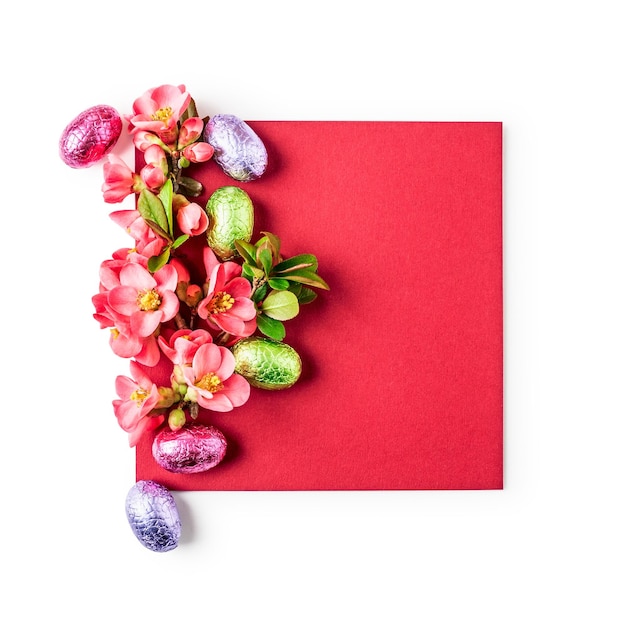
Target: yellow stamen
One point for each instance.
(148, 300)
(162, 115)
(220, 303)
(139, 396)
(210, 382)
(115, 333)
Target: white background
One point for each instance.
(548, 549)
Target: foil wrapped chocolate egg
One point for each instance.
(238, 149)
(189, 450)
(89, 136)
(231, 217)
(153, 516)
(266, 363)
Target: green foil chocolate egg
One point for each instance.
(231, 217)
(266, 363)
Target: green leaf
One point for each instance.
(306, 277)
(259, 293)
(246, 250)
(306, 295)
(166, 196)
(265, 258)
(246, 272)
(192, 187)
(280, 305)
(301, 261)
(157, 229)
(252, 271)
(152, 210)
(274, 243)
(180, 241)
(279, 284)
(155, 263)
(270, 328)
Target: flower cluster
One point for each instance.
(151, 301)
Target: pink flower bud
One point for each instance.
(190, 131)
(198, 152)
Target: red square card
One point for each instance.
(402, 359)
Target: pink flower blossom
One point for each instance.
(147, 242)
(138, 397)
(158, 111)
(154, 172)
(119, 180)
(152, 176)
(198, 152)
(181, 347)
(122, 341)
(146, 299)
(191, 218)
(227, 305)
(212, 382)
(142, 140)
(190, 131)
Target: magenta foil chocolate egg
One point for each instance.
(153, 516)
(89, 136)
(238, 149)
(190, 450)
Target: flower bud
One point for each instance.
(193, 296)
(176, 419)
(167, 397)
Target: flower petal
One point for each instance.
(144, 323)
(208, 358)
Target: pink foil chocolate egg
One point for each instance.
(89, 136)
(189, 450)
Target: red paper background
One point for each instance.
(402, 358)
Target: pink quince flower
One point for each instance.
(154, 172)
(227, 305)
(181, 347)
(142, 140)
(198, 152)
(122, 341)
(146, 299)
(147, 242)
(158, 111)
(138, 397)
(190, 131)
(212, 381)
(119, 180)
(191, 218)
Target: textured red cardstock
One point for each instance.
(402, 383)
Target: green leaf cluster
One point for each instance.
(279, 286)
(156, 210)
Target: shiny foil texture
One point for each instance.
(231, 217)
(153, 516)
(89, 136)
(189, 450)
(239, 151)
(266, 363)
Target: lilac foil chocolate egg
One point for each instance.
(153, 516)
(89, 136)
(238, 149)
(190, 450)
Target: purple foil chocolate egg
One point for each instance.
(153, 516)
(89, 136)
(189, 450)
(238, 149)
